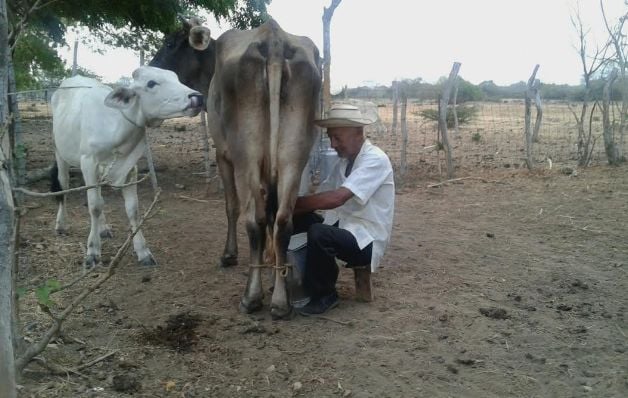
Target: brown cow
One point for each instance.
(261, 104)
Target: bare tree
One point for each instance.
(608, 131)
(591, 63)
(618, 42)
(328, 13)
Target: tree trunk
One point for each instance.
(612, 152)
(7, 226)
(395, 99)
(442, 117)
(75, 58)
(528, 134)
(328, 13)
(142, 57)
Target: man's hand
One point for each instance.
(322, 201)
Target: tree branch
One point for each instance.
(41, 345)
(78, 189)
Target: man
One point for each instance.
(358, 199)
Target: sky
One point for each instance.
(375, 42)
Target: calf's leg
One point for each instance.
(144, 256)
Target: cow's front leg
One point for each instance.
(232, 205)
(95, 204)
(144, 256)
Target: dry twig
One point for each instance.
(459, 179)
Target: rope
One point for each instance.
(284, 269)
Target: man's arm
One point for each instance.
(322, 201)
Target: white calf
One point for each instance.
(102, 130)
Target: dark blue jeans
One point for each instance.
(325, 243)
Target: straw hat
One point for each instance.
(343, 115)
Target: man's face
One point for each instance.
(347, 141)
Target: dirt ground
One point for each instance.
(512, 285)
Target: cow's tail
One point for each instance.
(275, 70)
(55, 184)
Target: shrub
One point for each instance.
(465, 114)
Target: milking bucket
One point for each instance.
(296, 255)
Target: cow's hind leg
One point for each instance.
(280, 307)
(60, 181)
(95, 203)
(232, 205)
(144, 256)
(256, 229)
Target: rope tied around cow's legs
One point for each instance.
(284, 268)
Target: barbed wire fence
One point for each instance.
(492, 140)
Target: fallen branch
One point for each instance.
(37, 348)
(78, 189)
(345, 323)
(458, 179)
(95, 361)
(192, 199)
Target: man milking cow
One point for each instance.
(358, 203)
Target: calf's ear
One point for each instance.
(121, 98)
(199, 37)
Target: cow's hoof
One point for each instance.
(248, 307)
(228, 260)
(106, 234)
(148, 261)
(91, 261)
(282, 313)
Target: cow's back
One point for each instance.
(75, 104)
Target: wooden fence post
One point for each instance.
(442, 117)
(395, 99)
(403, 168)
(532, 92)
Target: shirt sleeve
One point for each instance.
(367, 177)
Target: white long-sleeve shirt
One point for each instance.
(368, 215)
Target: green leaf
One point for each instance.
(21, 292)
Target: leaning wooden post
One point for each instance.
(403, 168)
(151, 166)
(530, 92)
(205, 137)
(328, 13)
(454, 104)
(395, 99)
(442, 117)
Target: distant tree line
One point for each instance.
(486, 91)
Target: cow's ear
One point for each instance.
(121, 98)
(199, 37)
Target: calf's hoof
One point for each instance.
(91, 261)
(282, 313)
(250, 306)
(148, 261)
(106, 234)
(228, 260)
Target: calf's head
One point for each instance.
(156, 94)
